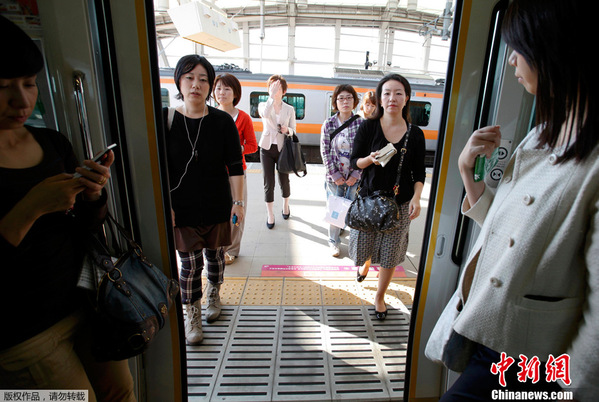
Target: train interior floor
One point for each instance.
(295, 324)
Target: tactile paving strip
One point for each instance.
(307, 292)
(300, 353)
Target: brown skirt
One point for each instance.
(191, 238)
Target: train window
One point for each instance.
(420, 112)
(298, 101)
(166, 100)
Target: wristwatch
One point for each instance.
(240, 203)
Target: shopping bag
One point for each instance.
(336, 210)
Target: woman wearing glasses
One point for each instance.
(336, 143)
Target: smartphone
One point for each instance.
(99, 158)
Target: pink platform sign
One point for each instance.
(322, 271)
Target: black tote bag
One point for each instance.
(291, 158)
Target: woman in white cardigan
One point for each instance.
(530, 288)
(278, 120)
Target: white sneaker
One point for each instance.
(193, 323)
(334, 250)
(214, 305)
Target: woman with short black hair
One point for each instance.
(206, 179)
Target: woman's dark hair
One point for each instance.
(553, 37)
(344, 88)
(188, 63)
(229, 80)
(21, 57)
(405, 113)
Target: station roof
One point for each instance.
(409, 15)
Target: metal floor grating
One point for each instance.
(300, 353)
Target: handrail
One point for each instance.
(79, 93)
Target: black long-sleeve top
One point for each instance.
(370, 138)
(203, 196)
(39, 276)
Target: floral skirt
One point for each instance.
(385, 249)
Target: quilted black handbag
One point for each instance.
(377, 212)
(291, 158)
(131, 300)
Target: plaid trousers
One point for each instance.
(190, 277)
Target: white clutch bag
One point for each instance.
(386, 153)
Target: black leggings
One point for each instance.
(269, 158)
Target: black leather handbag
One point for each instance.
(377, 212)
(131, 300)
(291, 158)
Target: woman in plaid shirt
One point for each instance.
(336, 147)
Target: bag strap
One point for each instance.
(402, 151)
(343, 126)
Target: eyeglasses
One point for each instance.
(345, 98)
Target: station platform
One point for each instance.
(295, 323)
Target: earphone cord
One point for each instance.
(193, 148)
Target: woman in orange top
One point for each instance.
(227, 92)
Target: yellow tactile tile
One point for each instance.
(404, 291)
(231, 291)
(301, 292)
(306, 292)
(340, 293)
(262, 292)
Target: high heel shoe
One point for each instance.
(380, 315)
(270, 225)
(286, 216)
(360, 277)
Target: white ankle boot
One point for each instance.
(193, 323)
(213, 298)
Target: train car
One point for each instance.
(311, 98)
(102, 84)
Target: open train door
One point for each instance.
(100, 86)
(480, 90)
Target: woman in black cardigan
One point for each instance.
(205, 167)
(390, 124)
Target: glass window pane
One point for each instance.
(420, 112)
(298, 101)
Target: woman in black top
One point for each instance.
(45, 343)
(205, 166)
(390, 123)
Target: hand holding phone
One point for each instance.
(99, 158)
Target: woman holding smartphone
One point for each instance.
(45, 330)
(530, 286)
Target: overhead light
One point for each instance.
(200, 23)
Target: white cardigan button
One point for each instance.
(496, 282)
(553, 159)
(527, 199)
(510, 242)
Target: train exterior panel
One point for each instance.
(311, 98)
